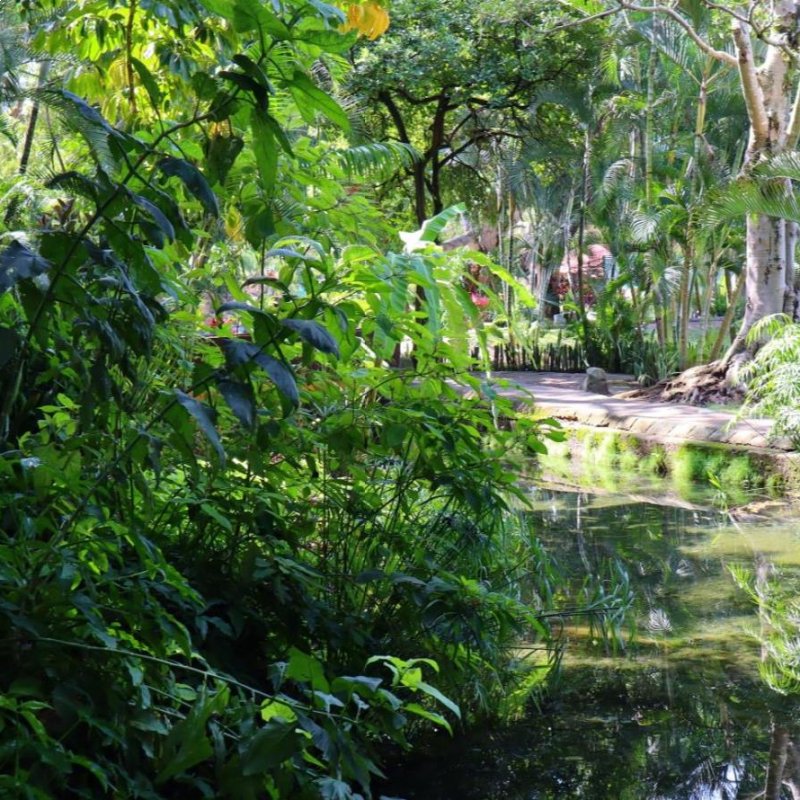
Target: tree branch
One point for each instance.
(582, 21)
(417, 101)
(751, 88)
(397, 117)
(720, 55)
(793, 129)
(475, 138)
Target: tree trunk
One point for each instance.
(773, 126)
(790, 297)
(683, 306)
(733, 299)
(765, 272)
(777, 763)
(587, 154)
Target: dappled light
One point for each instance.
(392, 383)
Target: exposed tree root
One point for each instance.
(698, 386)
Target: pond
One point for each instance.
(683, 711)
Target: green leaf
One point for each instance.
(536, 445)
(148, 81)
(221, 152)
(332, 41)
(247, 83)
(238, 353)
(275, 709)
(187, 744)
(357, 683)
(432, 691)
(194, 180)
(314, 333)
(236, 305)
(158, 216)
(204, 416)
(286, 252)
(587, 7)
(376, 159)
(307, 669)
(431, 228)
(17, 263)
(252, 69)
(241, 400)
(86, 111)
(520, 290)
(249, 15)
(195, 748)
(272, 745)
(310, 98)
(432, 716)
(265, 148)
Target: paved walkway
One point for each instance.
(560, 396)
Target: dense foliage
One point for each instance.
(241, 553)
(259, 503)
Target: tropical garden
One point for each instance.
(266, 527)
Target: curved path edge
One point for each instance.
(559, 395)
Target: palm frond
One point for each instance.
(748, 196)
(768, 327)
(376, 160)
(644, 226)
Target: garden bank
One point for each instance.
(692, 442)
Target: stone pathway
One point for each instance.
(560, 395)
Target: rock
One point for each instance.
(596, 381)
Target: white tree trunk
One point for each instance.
(790, 297)
(766, 268)
(768, 96)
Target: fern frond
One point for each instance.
(376, 160)
(768, 327)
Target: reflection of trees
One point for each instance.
(614, 730)
(736, 758)
(776, 597)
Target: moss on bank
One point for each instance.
(616, 459)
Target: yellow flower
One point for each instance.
(369, 19)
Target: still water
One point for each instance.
(685, 711)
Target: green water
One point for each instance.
(683, 712)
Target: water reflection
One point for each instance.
(683, 713)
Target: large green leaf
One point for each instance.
(148, 81)
(306, 669)
(431, 229)
(221, 153)
(238, 353)
(265, 147)
(271, 746)
(194, 180)
(310, 99)
(248, 84)
(156, 214)
(247, 65)
(241, 399)
(314, 333)
(204, 417)
(332, 41)
(17, 262)
(249, 15)
(187, 743)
